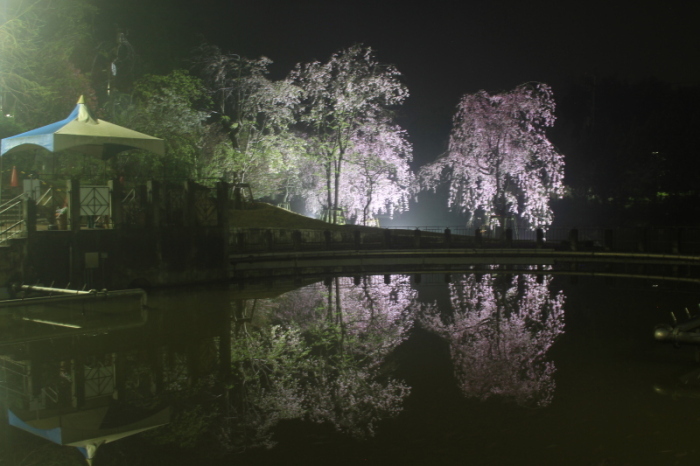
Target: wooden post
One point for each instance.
(642, 238)
(237, 198)
(225, 347)
(327, 238)
(269, 240)
(540, 238)
(143, 215)
(116, 196)
(676, 236)
(222, 221)
(78, 383)
(387, 238)
(416, 238)
(478, 239)
(478, 272)
(240, 241)
(448, 238)
(573, 239)
(120, 376)
(189, 216)
(29, 214)
(222, 204)
(154, 201)
(509, 237)
(74, 204)
(609, 236)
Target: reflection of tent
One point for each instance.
(88, 429)
(83, 133)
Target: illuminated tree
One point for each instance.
(499, 159)
(356, 327)
(256, 114)
(499, 331)
(349, 92)
(172, 107)
(321, 359)
(371, 318)
(377, 178)
(379, 175)
(39, 82)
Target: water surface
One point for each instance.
(495, 368)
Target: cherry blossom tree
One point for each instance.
(376, 180)
(499, 160)
(370, 318)
(350, 91)
(316, 354)
(380, 177)
(499, 331)
(356, 327)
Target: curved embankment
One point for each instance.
(300, 263)
(264, 215)
(351, 249)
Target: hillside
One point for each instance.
(263, 215)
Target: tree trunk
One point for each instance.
(329, 190)
(337, 190)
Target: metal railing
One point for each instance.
(658, 240)
(12, 219)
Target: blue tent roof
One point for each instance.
(84, 429)
(81, 132)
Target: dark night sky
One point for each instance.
(446, 49)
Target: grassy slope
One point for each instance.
(264, 215)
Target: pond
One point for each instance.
(496, 368)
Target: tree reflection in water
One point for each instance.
(499, 331)
(318, 354)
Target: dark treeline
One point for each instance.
(630, 149)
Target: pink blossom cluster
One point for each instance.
(500, 330)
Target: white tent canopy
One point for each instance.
(83, 133)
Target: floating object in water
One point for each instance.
(688, 332)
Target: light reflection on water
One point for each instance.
(381, 370)
(500, 328)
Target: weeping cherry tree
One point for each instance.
(499, 161)
(380, 177)
(351, 90)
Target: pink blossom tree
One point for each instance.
(370, 319)
(499, 160)
(316, 353)
(499, 332)
(350, 91)
(377, 178)
(360, 325)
